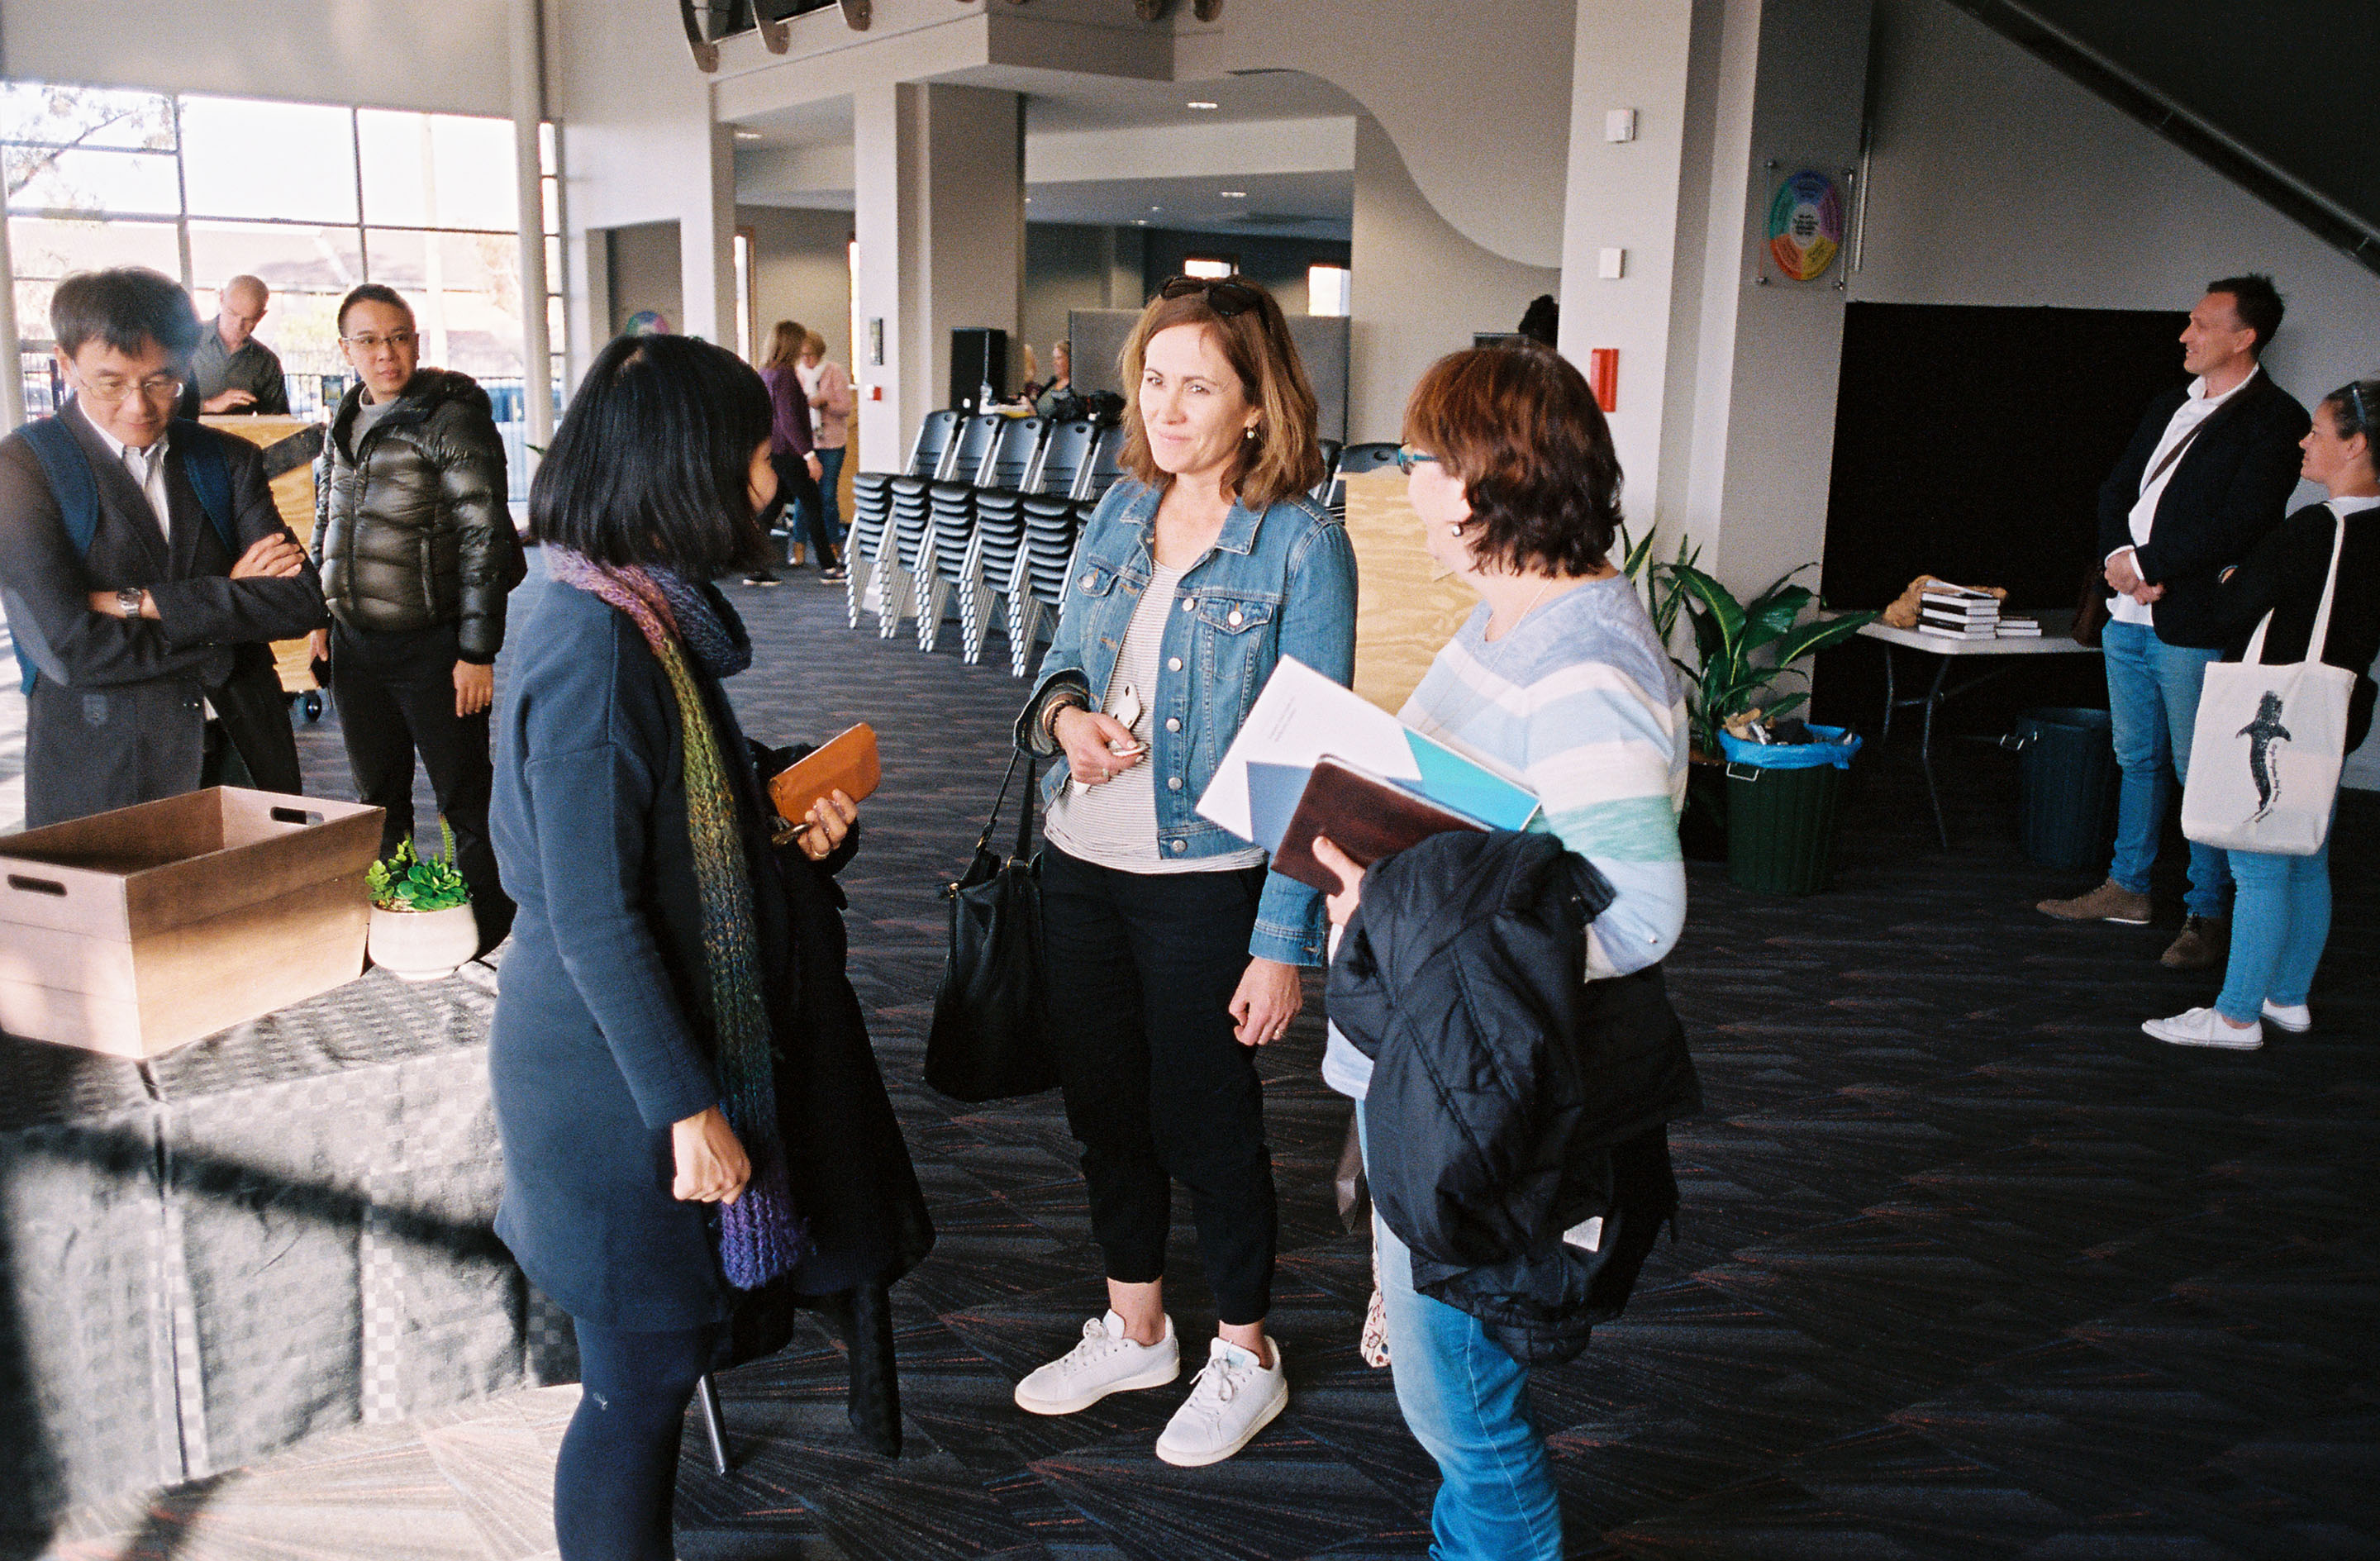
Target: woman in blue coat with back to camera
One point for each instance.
(689, 1109)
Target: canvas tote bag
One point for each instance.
(2265, 753)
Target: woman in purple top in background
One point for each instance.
(792, 453)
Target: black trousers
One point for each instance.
(395, 694)
(798, 491)
(616, 1475)
(1142, 969)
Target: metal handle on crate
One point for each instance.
(1742, 772)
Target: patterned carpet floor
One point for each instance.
(1967, 1266)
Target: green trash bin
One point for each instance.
(2066, 787)
(1781, 801)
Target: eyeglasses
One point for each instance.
(1407, 458)
(113, 392)
(1224, 296)
(397, 339)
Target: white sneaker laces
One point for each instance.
(1219, 1382)
(1096, 1346)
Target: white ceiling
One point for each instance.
(1318, 203)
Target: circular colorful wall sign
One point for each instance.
(646, 323)
(1805, 225)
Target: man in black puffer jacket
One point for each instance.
(418, 552)
(1514, 1129)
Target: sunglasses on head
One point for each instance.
(2355, 404)
(1224, 296)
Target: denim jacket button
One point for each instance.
(1233, 617)
(1173, 724)
(1181, 846)
(1174, 782)
(1173, 664)
(1187, 604)
(1089, 580)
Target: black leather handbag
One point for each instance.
(990, 1039)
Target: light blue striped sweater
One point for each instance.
(1580, 700)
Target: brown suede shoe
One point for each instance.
(2108, 903)
(2204, 943)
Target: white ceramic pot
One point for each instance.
(423, 945)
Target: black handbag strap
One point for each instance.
(1025, 810)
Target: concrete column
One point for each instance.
(1631, 58)
(529, 115)
(939, 177)
(706, 232)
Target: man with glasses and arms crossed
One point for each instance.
(2207, 475)
(144, 569)
(418, 552)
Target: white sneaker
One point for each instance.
(1233, 1399)
(1106, 1361)
(2204, 1027)
(2295, 1018)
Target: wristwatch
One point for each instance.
(128, 600)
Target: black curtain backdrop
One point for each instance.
(1970, 443)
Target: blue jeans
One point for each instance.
(2152, 704)
(1467, 1403)
(830, 478)
(2279, 925)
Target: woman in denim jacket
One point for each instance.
(1172, 949)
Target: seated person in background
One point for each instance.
(1057, 399)
(231, 370)
(144, 569)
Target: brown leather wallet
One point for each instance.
(846, 764)
(1364, 816)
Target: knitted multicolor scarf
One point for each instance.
(760, 1238)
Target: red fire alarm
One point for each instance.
(1603, 376)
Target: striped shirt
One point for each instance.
(1580, 700)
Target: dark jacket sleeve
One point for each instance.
(470, 454)
(47, 589)
(2122, 489)
(2249, 507)
(591, 783)
(213, 610)
(2254, 588)
(272, 396)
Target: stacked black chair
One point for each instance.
(1320, 492)
(1357, 458)
(1036, 586)
(868, 546)
(941, 564)
(990, 562)
(871, 513)
(1061, 457)
(1015, 447)
(896, 557)
(1100, 470)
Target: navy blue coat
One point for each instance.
(600, 1041)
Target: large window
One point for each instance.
(313, 199)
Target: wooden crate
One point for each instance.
(135, 931)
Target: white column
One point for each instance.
(529, 115)
(939, 176)
(706, 232)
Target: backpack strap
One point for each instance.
(76, 492)
(210, 475)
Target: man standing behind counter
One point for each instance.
(231, 370)
(2206, 476)
(144, 568)
(418, 552)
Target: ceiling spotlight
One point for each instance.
(747, 135)
(1156, 208)
(1140, 222)
(1234, 194)
(1201, 103)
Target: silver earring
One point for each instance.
(1249, 432)
(1455, 531)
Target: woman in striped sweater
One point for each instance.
(1558, 677)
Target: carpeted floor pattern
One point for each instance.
(1967, 1267)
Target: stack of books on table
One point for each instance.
(2018, 628)
(1956, 612)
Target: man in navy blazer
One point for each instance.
(147, 633)
(2208, 473)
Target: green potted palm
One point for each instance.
(1742, 650)
(422, 926)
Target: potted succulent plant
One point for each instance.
(421, 921)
